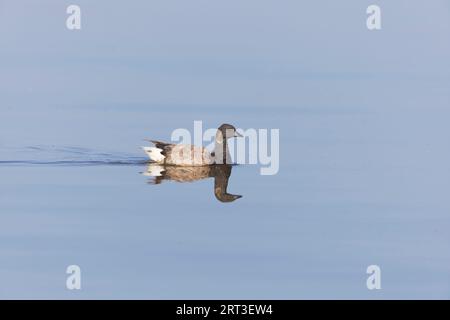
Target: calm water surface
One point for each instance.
(364, 159)
(339, 203)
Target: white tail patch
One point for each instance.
(154, 153)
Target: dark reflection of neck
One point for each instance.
(221, 174)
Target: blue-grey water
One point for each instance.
(364, 173)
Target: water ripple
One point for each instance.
(66, 156)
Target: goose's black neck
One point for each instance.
(221, 153)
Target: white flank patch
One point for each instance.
(154, 153)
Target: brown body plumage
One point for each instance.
(190, 155)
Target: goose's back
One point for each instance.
(188, 155)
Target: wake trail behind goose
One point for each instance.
(67, 156)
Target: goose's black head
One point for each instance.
(227, 131)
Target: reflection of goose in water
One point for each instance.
(190, 155)
(220, 173)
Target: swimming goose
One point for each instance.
(221, 174)
(190, 155)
